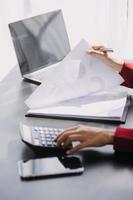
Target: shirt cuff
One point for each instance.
(123, 140)
(127, 74)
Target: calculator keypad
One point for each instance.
(44, 136)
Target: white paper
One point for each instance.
(103, 108)
(100, 73)
(79, 51)
(78, 75)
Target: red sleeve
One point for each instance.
(127, 74)
(123, 140)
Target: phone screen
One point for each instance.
(50, 166)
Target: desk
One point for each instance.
(106, 176)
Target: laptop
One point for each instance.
(41, 42)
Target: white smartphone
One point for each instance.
(53, 166)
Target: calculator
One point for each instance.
(42, 139)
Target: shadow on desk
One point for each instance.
(97, 163)
(90, 157)
(116, 159)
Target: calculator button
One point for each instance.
(42, 138)
(61, 130)
(49, 144)
(41, 131)
(54, 143)
(48, 139)
(35, 134)
(47, 135)
(51, 132)
(46, 132)
(43, 142)
(36, 142)
(34, 129)
(41, 134)
(45, 129)
(50, 129)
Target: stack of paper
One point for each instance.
(78, 87)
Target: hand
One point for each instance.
(87, 136)
(95, 51)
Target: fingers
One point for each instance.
(70, 139)
(97, 47)
(67, 137)
(63, 137)
(72, 128)
(94, 52)
(76, 149)
(97, 53)
(66, 130)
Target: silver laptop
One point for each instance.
(40, 42)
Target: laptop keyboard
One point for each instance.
(44, 136)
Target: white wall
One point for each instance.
(106, 22)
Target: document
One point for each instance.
(109, 106)
(78, 75)
(79, 51)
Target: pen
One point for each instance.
(106, 50)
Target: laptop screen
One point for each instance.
(40, 41)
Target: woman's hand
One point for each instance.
(87, 136)
(95, 51)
